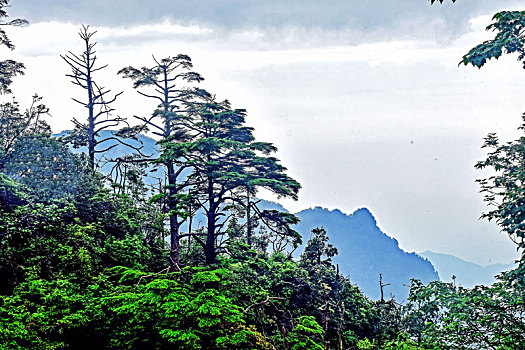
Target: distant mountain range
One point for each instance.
(365, 252)
(467, 274)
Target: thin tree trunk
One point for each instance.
(174, 222)
(91, 119)
(190, 225)
(339, 311)
(248, 220)
(210, 238)
(172, 183)
(325, 321)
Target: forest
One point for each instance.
(96, 254)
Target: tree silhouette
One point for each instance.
(226, 161)
(8, 68)
(164, 82)
(98, 103)
(15, 125)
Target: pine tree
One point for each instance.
(98, 103)
(226, 161)
(164, 82)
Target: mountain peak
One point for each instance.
(365, 251)
(364, 214)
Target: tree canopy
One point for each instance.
(510, 38)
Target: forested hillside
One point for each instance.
(92, 259)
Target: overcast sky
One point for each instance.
(364, 99)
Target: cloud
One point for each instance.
(253, 47)
(383, 19)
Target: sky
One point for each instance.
(364, 99)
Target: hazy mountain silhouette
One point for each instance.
(149, 148)
(365, 252)
(467, 274)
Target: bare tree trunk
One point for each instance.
(381, 285)
(90, 106)
(174, 222)
(210, 240)
(326, 317)
(190, 225)
(248, 220)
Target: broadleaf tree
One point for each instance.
(15, 124)
(510, 38)
(504, 190)
(487, 317)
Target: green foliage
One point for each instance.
(12, 193)
(62, 223)
(459, 318)
(209, 154)
(317, 248)
(161, 83)
(84, 263)
(387, 322)
(509, 27)
(16, 125)
(45, 165)
(444, 316)
(306, 335)
(402, 342)
(178, 310)
(48, 315)
(129, 251)
(364, 344)
(61, 294)
(228, 167)
(276, 292)
(10, 68)
(504, 190)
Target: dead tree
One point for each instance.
(381, 286)
(98, 103)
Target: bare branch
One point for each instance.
(268, 299)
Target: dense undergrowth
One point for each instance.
(87, 267)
